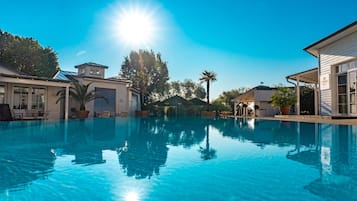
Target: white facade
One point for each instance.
(123, 95)
(31, 97)
(337, 57)
(258, 96)
(122, 99)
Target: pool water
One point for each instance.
(136, 159)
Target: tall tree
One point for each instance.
(187, 89)
(147, 71)
(208, 77)
(27, 55)
(189, 86)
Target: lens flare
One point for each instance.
(135, 26)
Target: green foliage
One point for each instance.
(187, 89)
(200, 92)
(226, 97)
(80, 93)
(27, 55)
(208, 77)
(220, 106)
(283, 96)
(147, 71)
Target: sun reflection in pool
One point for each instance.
(132, 196)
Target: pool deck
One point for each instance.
(311, 119)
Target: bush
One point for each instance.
(283, 96)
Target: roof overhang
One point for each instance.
(314, 48)
(92, 64)
(246, 97)
(309, 76)
(32, 80)
(103, 80)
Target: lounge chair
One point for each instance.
(105, 114)
(5, 113)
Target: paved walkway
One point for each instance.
(312, 119)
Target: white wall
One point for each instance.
(134, 103)
(340, 51)
(51, 108)
(266, 109)
(263, 95)
(122, 100)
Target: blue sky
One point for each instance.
(244, 42)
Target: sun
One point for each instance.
(135, 27)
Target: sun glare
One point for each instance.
(135, 27)
(132, 196)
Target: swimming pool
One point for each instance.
(135, 159)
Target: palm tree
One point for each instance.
(81, 94)
(208, 77)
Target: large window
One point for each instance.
(21, 95)
(100, 104)
(38, 99)
(2, 94)
(29, 98)
(346, 87)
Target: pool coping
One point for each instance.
(310, 119)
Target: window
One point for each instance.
(342, 93)
(101, 105)
(21, 95)
(38, 99)
(94, 71)
(346, 87)
(2, 94)
(343, 68)
(82, 71)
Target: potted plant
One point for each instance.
(80, 93)
(284, 97)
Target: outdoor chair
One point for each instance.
(5, 113)
(105, 114)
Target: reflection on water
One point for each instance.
(19, 167)
(28, 150)
(207, 152)
(144, 151)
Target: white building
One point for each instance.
(31, 97)
(258, 100)
(336, 75)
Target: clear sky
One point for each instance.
(244, 42)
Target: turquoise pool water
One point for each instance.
(134, 159)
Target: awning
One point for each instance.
(33, 80)
(309, 76)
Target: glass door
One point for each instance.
(352, 95)
(342, 93)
